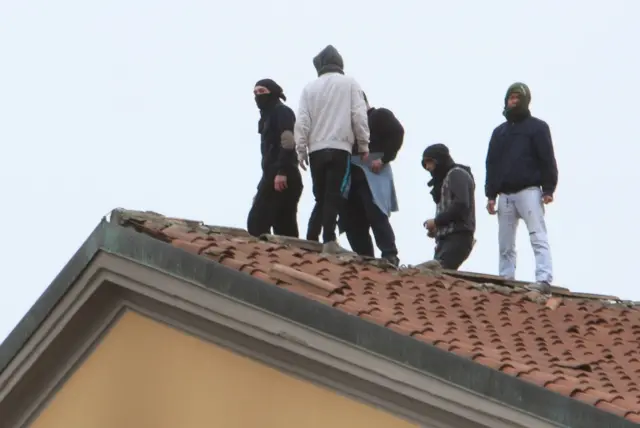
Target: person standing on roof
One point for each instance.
(522, 171)
(276, 202)
(372, 195)
(332, 118)
(454, 225)
(314, 227)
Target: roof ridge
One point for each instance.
(481, 281)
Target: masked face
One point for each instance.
(262, 96)
(430, 165)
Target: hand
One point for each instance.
(430, 225)
(377, 165)
(280, 183)
(491, 206)
(303, 160)
(547, 199)
(364, 156)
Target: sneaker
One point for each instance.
(332, 247)
(393, 260)
(431, 265)
(541, 287)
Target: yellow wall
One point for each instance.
(147, 375)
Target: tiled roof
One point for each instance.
(582, 346)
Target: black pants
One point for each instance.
(277, 210)
(361, 214)
(315, 224)
(452, 250)
(330, 174)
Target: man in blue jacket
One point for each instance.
(522, 171)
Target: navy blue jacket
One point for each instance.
(275, 158)
(521, 155)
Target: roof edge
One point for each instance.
(51, 295)
(405, 350)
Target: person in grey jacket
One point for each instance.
(453, 189)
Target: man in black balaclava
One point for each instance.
(453, 192)
(522, 169)
(276, 202)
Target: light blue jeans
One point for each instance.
(526, 205)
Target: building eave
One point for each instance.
(410, 377)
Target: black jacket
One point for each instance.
(277, 159)
(456, 206)
(386, 133)
(521, 155)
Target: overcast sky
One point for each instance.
(148, 105)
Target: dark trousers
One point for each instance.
(361, 214)
(330, 174)
(315, 224)
(277, 210)
(452, 250)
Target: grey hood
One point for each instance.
(328, 60)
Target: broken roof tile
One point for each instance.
(581, 345)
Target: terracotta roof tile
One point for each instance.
(579, 345)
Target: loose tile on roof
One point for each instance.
(583, 346)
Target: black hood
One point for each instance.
(328, 60)
(439, 153)
(266, 102)
(444, 164)
(465, 167)
(273, 87)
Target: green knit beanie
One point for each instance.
(522, 90)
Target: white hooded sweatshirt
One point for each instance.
(332, 113)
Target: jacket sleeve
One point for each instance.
(302, 127)
(286, 120)
(492, 169)
(547, 158)
(393, 135)
(359, 119)
(461, 201)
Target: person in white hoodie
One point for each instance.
(332, 117)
